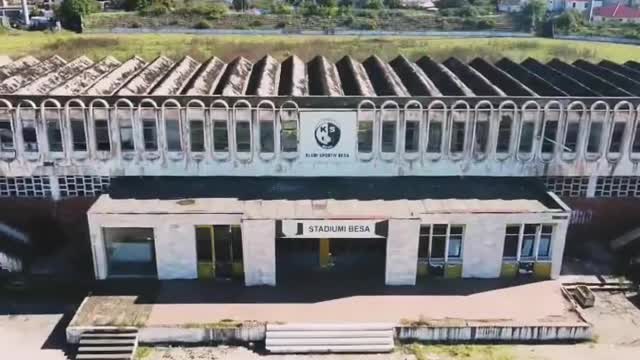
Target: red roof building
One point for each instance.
(617, 12)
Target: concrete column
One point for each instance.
(55, 187)
(259, 252)
(557, 247)
(591, 187)
(97, 248)
(175, 247)
(402, 252)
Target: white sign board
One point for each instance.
(328, 136)
(329, 229)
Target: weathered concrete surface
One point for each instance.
(402, 252)
(259, 251)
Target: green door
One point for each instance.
(205, 252)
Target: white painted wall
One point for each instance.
(259, 251)
(402, 252)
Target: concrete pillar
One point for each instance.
(557, 247)
(259, 252)
(402, 252)
(591, 187)
(175, 247)
(55, 187)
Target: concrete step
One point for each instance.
(330, 341)
(104, 356)
(94, 349)
(110, 335)
(330, 327)
(105, 341)
(329, 334)
(332, 349)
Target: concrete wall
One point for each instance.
(567, 332)
(402, 252)
(259, 250)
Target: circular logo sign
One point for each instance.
(327, 134)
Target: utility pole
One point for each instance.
(25, 13)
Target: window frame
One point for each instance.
(246, 106)
(535, 256)
(173, 105)
(58, 109)
(196, 105)
(413, 113)
(33, 155)
(9, 153)
(127, 106)
(512, 111)
(615, 156)
(635, 156)
(68, 107)
(93, 138)
(392, 109)
(430, 114)
(222, 107)
(466, 112)
(594, 110)
(284, 109)
(446, 258)
(479, 110)
(568, 122)
(525, 111)
(557, 107)
(366, 155)
(149, 154)
(266, 108)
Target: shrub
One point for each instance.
(155, 10)
(447, 4)
(280, 8)
(135, 25)
(201, 25)
(569, 21)
(71, 12)
(375, 4)
(256, 23)
(485, 24)
(469, 12)
(135, 5)
(281, 25)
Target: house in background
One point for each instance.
(512, 6)
(617, 13)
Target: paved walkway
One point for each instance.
(533, 303)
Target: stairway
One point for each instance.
(330, 338)
(112, 344)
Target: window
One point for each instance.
(29, 132)
(434, 140)
(6, 131)
(149, 129)
(526, 137)
(130, 251)
(289, 130)
(266, 136)
(219, 119)
(150, 134)
(528, 240)
(388, 136)
(365, 136)
(197, 135)
(243, 136)
(124, 118)
(635, 146)
(544, 244)
(440, 242)
(78, 131)
(483, 115)
(457, 137)
(101, 129)
(455, 241)
(617, 136)
(511, 239)
(54, 133)
(571, 137)
(549, 136)
(172, 128)
(533, 241)
(411, 136)
(595, 137)
(504, 134)
(195, 118)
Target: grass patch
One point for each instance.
(445, 352)
(149, 46)
(142, 352)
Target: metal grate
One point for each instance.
(74, 186)
(567, 186)
(618, 186)
(25, 186)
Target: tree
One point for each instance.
(241, 5)
(393, 4)
(71, 12)
(533, 13)
(569, 21)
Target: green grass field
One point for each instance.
(148, 46)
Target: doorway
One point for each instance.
(330, 260)
(219, 252)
